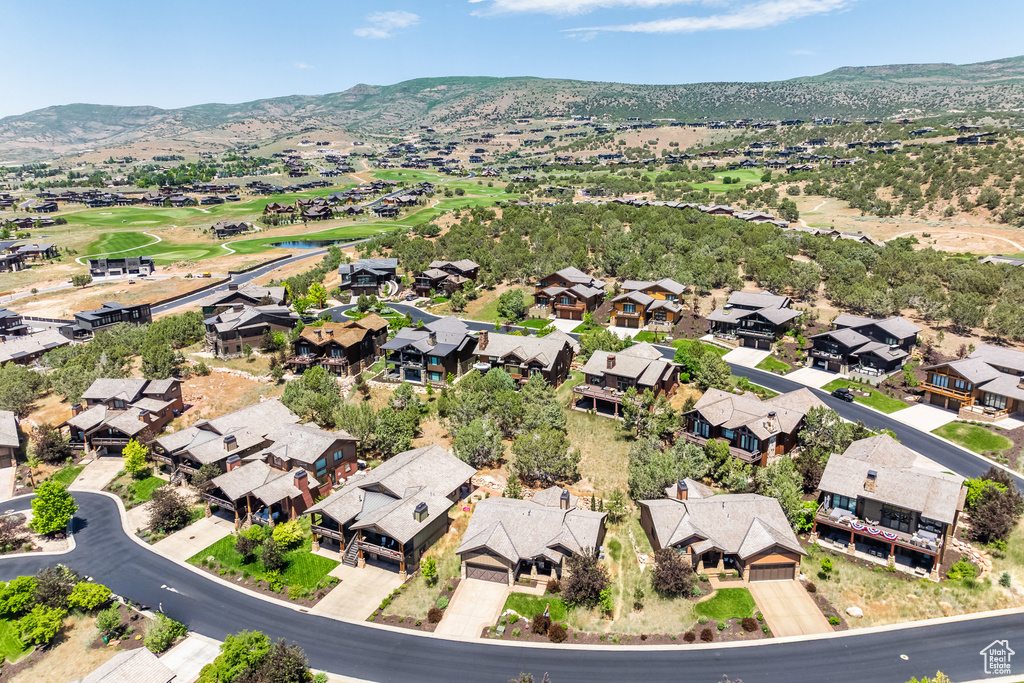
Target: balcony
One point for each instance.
(826, 355)
(380, 551)
(965, 396)
(301, 360)
(217, 500)
(108, 441)
(327, 532)
(599, 393)
(746, 456)
(844, 519)
(759, 334)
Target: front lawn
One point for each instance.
(143, 489)
(11, 646)
(302, 567)
(528, 605)
(727, 603)
(721, 351)
(68, 474)
(772, 364)
(973, 437)
(876, 399)
(535, 323)
(134, 492)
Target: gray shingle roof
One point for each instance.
(641, 362)
(250, 425)
(304, 443)
(904, 478)
(758, 299)
(897, 326)
(8, 429)
(668, 285)
(733, 411)
(450, 333)
(105, 388)
(29, 344)
(1002, 357)
(544, 350)
(132, 666)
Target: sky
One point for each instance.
(189, 52)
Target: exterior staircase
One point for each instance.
(351, 552)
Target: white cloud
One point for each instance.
(567, 6)
(757, 15)
(302, 65)
(384, 24)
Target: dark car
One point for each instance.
(843, 393)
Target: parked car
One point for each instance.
(844, 394)
(410, 296)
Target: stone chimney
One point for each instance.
(682, 490)
(230, 442)
(563, 499)
(330, 331)
(302, 484)
(420, 513)
(870, 482)
(144, 416)
(233, 462)
(76, 409)
(482, 341)
(432, 338)
(610, 362)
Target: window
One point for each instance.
(670, 297)
(336, 352)
(702, 429)
(749, 443)
(629, 308)
(932, 525)
(348, 467)
(994, 401)
(941, 381)
(896, 518)
(565, 301)
(434, 360)
(435, 376)
(728, 434)
(623, 383)
(119, 405)
(844, 503)
(339, 455)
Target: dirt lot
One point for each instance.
(66, 302)
(220, 393)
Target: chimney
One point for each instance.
(237, 308)
(610, 361)
(869, 483)
(76, 409)
(563, 499)
(233, 462)
(432, 338)
(682, 490)
(230, 442)
(143, 415)
(482, 341)
(330, 331)
(302, 484)
(420, 513)
(232, 287)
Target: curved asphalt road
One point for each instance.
(105, 552)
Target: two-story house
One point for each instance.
(29, 348)
(988, 385)
(758, 432)
(430, 353)
(887, 503)
(549, 356)
(863, 345)
(88, 323)
(756, 319)
(242, 295)
(463, 268)
(342, 348)
(642, 304)
(229, 332)
(610, 375)
(114, 411)
(12, 324)
(367, 275)
(141, 266)
(446, 277)
(569, 293)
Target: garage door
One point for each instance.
(474, 571)
(630, 322)
(764, 344)
(750, 342)
(772, 572)
(939, 400)
(834, 366)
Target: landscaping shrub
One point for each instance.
(516, 632)
(554, 586)
(834, 621)
(320, 678)
(163, 633)
(540, 624)
(428, 568)
(707, 635)
(557, 633)
(1004, 580)
(108, 620)
(271, 555)
(274, 581)
(17, 595)
(41, 624)
(749, 624)
(672, 575)
(722, 625)
(87, 596)
(434, 615)
(246, 546)
(52, 508)
(54, 586)
(811, 588)
(168, 510)
(587, 579)
(288, 534)
(689, 636)
(442, 602)
(961, 570)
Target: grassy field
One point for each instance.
(604, 450)
(110, 242)
(876, 400)
(527, 605)
(747, 177)
(536, 323)
(303, 568)
(727, 603)
(143, 488)
(772, 364)
(67, 474)
(973, 437)
(11, 646)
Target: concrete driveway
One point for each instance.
(187, 658)
(788, 608)
(566, 325)
(812, 377)
(185, 543)
(7, 482)
(924, 417)
(359, 593)
(98, 473)
(476, 604)
(746, 357)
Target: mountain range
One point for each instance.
(848, 92)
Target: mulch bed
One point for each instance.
(732, 633)
(31, 542)
(260, 587)
(690, 327)
(410, 623)
(130, 619)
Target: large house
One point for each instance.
(229, 332)
(610, 375)
(523, 356)
(10, 439)
(757, 431)
(885, 502)
(446, 276)
(210, 442)
(509, 538)
(367, 275)
(757, 319)
(988, 385)
(12, 324)
(245, 295)
(224, 229)
(462, 268)
(430, 353)
(644, 303)
(115, 411)
(116, 267)
(569, 293)
(395, 511)
(88, 323)
(27, 349)
(741, 532)
(863, 345)
(343, 348)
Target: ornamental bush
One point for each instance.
(557, 633)
(87, 596)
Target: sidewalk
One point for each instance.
(183, 544)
